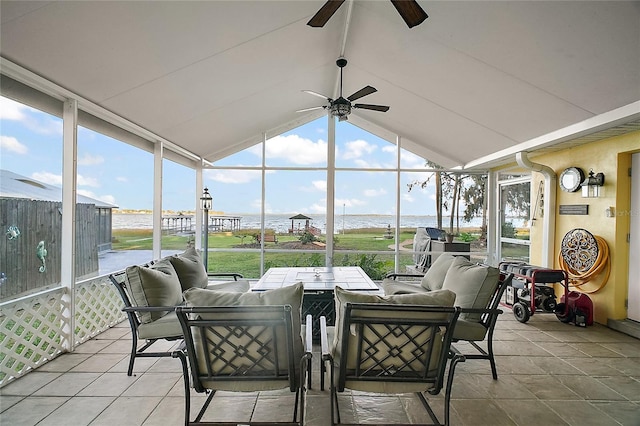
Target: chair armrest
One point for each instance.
(148, 308)
(393, 276)
(308, 341)
(324, 338)
(481, 311)
(234, 275)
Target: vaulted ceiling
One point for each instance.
(471, 85)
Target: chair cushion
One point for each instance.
(289, 295)
(154, 285)
(239, 286)
(434, 278)
(190, 269)
(391, 287)
(473, 285)
(469, 330)
(167, 326)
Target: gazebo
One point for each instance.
(300, 217)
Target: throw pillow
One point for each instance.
(155, 285)
(434, 278)
(473, 285)
(190, 269)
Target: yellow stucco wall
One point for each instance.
(613, 158)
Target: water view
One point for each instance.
(281, 223)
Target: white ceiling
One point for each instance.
(474, 82)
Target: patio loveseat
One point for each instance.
(152, 291)
(478, 290)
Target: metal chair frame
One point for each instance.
(119, 280)
(241, 348)
(489, 317)
(407, 357)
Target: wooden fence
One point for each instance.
(36, 222)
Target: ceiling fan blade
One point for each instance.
(317, 94)
(362, 92)
(326, 11)
(381, 108)
(410, 11)
(310, 109)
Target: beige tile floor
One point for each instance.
(550, 373)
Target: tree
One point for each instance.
(450, 189)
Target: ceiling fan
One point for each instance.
(410, 11)
(341, 107)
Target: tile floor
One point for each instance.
(550, 373)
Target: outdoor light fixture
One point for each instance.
(206, 202)
(340, 108)
(591, 185)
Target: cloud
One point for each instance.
(12, 144)
(356, 149)
(122, 179)
(367, 165)
(90, 160)
(232, 176)
(12, 110)
(37, 121)
(320, 185)
(317, 208)
(47, 177)
(374, 192)
(297, 150)
(54, 179)
(349, 202)
(88, 181)
(408, 198)
(106, 198)
(409, 160)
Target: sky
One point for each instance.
(120, 174)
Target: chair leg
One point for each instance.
(134, 349)
(187, 389)
(447, 395)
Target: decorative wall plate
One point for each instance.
(571, 178)
(579, 249)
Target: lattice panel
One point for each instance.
(31, 327)
(98, 307)
(30, 333)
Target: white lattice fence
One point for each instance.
(30, 333)
(31, 327)
(98, 307)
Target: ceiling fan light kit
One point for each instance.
(341, 107)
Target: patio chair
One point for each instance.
(151, 292)
(392, 348)
(479, 289)
(244, 349)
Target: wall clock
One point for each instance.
(571, 178)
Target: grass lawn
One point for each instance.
(247, 261)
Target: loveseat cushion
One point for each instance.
(154, 285)
(434, 277)
(473, 285)
(190, 269)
